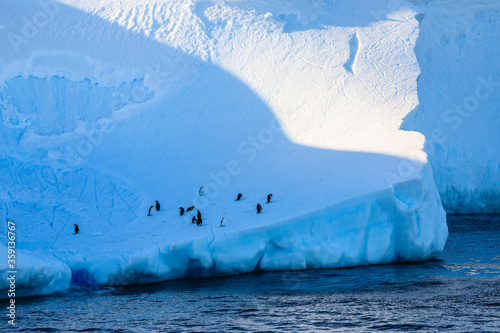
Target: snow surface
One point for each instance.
(107, 106)
(459, 94)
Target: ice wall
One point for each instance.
(459, 95)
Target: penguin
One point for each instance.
(193, 220)
(238, 198)
(201, 191)
(181, 209)
(223, 222)
(76, 228)
(259, 208)
(157, 206)
(189, 208)
(149, 212)
(199, 220)
(269, 197)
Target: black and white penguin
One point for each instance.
(199, 220)
(269, 197)
(201, 191)
(149, 212)
(157, 206)
(181, 210)
(238, 198)
(193, 220)
(189, 208)
(259, 208)
(76, 228)
(223, 222)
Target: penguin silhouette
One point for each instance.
(201, 191)
(76, 228)
(238, 198)
(181, 209)
(199, 220)
(149, 212)
(193, 220)
(189, 208)
(259, 208)
(157, 205)
(269, 197)
(223, 222)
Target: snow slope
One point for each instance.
(459, 94)
(107, 106)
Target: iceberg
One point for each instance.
(111, 106)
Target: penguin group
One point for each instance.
(198, 219)
(195, 219)
(156, 205)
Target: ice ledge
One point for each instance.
(402, 223)
(37, 274)
(399, 224)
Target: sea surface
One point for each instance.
(458, 291)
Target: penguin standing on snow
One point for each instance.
(149, 212)
(189, 208)
(181, 210)
(76, 228)
(157, 206)
(259, 208)
(193, 220)
(238, 198)
(199, 221)
(269, 197)
(201, 191)
(223, 222)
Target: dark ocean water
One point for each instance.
(457, 291)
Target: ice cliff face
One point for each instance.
(107, 107)
(459, 95)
